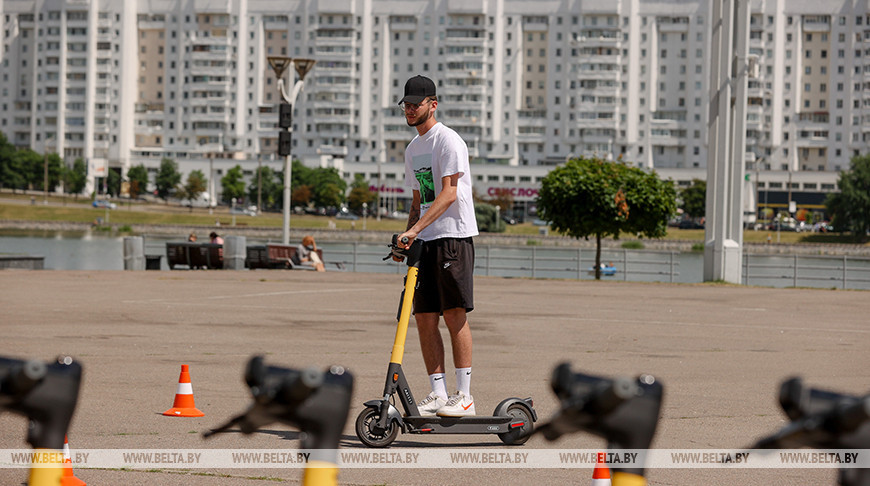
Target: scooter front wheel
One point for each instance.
(519, 435)
(366, 420)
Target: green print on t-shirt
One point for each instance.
(427, 185)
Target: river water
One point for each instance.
(98, 251)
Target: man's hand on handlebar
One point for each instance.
(404, 241)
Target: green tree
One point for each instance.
(10, 174)
(592, 197)
(75, 178)
(13, 174)
(25, 169)
(272, 189)
(694, 199)
(233, 185)
(31, 165)
(37, 170)
(328, 186)
(168, 178)
(113, 185)
(196, 184)
(488, 218)
(138, 177)
(300, 175)
(360, 193)
(301, 195)
(850, 208)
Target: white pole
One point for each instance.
(287, 165)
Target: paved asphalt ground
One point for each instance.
(721, 352)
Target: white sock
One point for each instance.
(436, 381)
(463, 380)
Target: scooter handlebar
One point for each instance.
(315, 401)
(623, 411)
(410, 255)
(820, 419)
(45, 393)
(281, 385)
(17, 378)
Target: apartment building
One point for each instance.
(526, 84)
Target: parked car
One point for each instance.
(249, 211)
(349, 216)
(690, 224)
(104, 203)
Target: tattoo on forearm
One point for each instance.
(413, 217)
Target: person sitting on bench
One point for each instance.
(307, 254)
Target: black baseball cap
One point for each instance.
(418, 89)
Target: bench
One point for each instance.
(275, 256)
(152, 262)
(194, 255)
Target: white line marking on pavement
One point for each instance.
(706, 324)
(236, 296)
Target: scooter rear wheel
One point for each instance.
(364, 423)
(519, 435)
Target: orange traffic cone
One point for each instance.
(68, 478)
(601, 475)
(184, 405)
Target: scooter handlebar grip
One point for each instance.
(22, 378)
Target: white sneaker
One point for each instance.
(431, 404)
(459, 405)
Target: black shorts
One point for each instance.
(446, 278)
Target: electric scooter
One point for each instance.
(380, 422)
(824, 420)
(623, 411)
(45, 393)
(315, 401)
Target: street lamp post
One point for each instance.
(285, 120)
(45, 180)
(259, 184)
(211, 181)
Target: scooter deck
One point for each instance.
(461, 425)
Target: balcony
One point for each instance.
(208, 117)
(327, 51)
(331, 118)
(333, 150)
(340, 131)
(274, 24)
(817, 23)
(214, 37)
(465, 6)
(206, 52)
(600, 139)
(456, 90)
(149, 23)
(403, 23)
(333, 36)
(597, 38)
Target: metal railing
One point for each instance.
(529, 262)
(844, 271)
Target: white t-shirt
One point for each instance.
(438, 153)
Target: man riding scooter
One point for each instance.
(442, 216)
